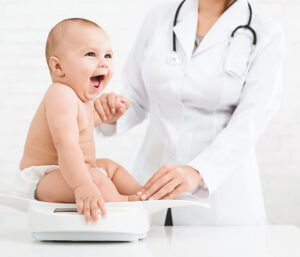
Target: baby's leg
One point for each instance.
(124, 182)
(53, 188)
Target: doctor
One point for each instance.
(209, 90)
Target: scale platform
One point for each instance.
(125, 221)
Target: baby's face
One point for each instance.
(86, 60)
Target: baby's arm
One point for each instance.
(62, 112)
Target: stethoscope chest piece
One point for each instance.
(174, 58)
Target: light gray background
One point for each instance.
(24, 78)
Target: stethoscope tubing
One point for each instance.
(247, 26)
(174, 24)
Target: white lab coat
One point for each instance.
(200, 116)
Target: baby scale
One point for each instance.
(125, 221)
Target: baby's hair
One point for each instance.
(56, 33)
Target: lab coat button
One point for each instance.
(178, 107)
(173, 157)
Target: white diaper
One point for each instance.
(26, 180)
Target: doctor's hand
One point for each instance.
(111, 107)
(169, 182)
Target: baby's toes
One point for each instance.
(132, 198)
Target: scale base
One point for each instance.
(86, 236)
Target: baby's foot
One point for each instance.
(132, 198)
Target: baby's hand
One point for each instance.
(89, 200)
(111, 107)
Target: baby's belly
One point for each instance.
(36, 156)
(41, 154)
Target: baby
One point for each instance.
(59, 163)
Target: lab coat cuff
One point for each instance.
(127, 121)
(122, 125)
(206, 171)
(106, 130)
(201, 190)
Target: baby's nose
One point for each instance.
(103, 64)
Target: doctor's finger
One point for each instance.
(166, 190)
(99, 109)
(157, 175)
(112, 103)
(125, 101)
(158, 185)
(177, 191)
(120, 112)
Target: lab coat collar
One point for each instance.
(186, 27)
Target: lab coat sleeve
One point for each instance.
(134, 88)
(259, 101)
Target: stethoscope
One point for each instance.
(174, 58)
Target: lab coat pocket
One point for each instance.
(238, 55)
(232, 88)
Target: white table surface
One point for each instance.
(260, 241)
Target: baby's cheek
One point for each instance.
(108, 77)
(111, 70)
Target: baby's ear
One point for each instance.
(55, 66)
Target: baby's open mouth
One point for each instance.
(97, 80)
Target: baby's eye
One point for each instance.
(108, 56)
(90, 54)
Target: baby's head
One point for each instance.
(79, 55)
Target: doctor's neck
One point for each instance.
(213, 8)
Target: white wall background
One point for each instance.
(24, 25)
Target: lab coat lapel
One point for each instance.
(186, 27)
(236, 15)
